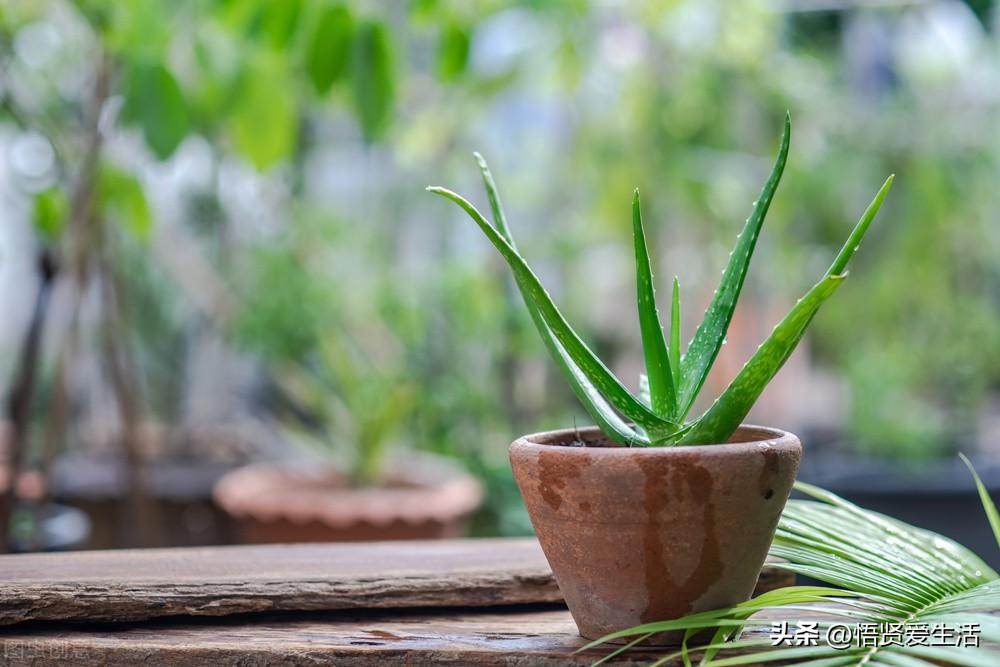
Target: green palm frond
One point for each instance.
(886, 578)
(984, 496)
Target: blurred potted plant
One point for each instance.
(338, 388)
(285, 62)
(646, 518)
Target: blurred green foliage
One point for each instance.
(337, 368)
(301, 114)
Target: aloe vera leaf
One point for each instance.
(607, 419)
(984, 496)
(644, 389)
(728, 411)
(675, 333)
(593, 368)
(654, 347)
(493, 195)
(707, 341)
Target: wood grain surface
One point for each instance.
(521, 636)
(133, 585)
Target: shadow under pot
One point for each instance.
(642, 534)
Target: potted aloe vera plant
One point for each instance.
(652, 515)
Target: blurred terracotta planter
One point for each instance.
(423, 497)
(643, 534)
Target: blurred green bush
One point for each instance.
(282, 148)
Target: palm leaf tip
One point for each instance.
(984, 496)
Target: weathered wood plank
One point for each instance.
(503, 636)
(139, 584)
(132, 585)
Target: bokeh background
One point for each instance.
(216, 249)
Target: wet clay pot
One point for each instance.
(641, 534)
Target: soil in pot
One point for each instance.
(635, 535)
(421, 498)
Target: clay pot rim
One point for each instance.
(748, 437)
(440, 491)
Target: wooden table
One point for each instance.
(476, 602)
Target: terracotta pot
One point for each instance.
(422, 498)
(643, 534)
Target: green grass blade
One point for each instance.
(654, 347)
(603, 381)
(707, 341)
(675, 334)
(984, 496)
(606, 418)
(728, 411)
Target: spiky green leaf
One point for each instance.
(593, 368)
(708, 338)
(675, 333)
(606, 418)
(728, 411)
(654, 347)
(644, 389)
